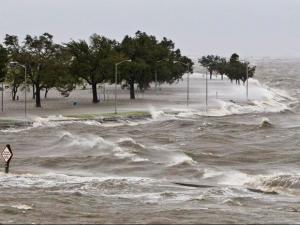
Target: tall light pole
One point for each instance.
(16, 64)
(116, 80)
(247, 75)
(206, 91)
(188, 81)
(156, 72)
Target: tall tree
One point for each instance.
(237, 70)
(146, 51)
(93, 62)
(14, 77)
(58, 73)
(3, 62)
(221, 67)
(38, 54)
(210, 62)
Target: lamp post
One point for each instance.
(156, 72)
(188, 81)
(16, 64)
(116, 80)
(206, 91)
(247, 75)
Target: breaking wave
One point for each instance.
(57, 181)
(264, 100)
(285, 183)
(92, 145)
(273, 183)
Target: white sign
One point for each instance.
(6, 154)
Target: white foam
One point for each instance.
(22, 207)
(54, 180)
(179, 158)
(209, 173)
(279, 182)
(234, 178)
(160, 115)
(130, 140)
(89, 144)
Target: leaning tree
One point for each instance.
(93, 62)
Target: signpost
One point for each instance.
(7, 156)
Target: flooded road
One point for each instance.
(244, 153)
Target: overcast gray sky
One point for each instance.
(248, 27)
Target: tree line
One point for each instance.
(65, 66)
(234, 68)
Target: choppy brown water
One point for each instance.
(125, 172)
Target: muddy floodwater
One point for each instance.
(236, 162)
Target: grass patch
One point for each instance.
(127, 114)
(107, 116)
(84, 116)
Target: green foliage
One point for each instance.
(149, 56)
(211, 63)
(46, 62)
(234, 68)
(237, 70)
(93, 62)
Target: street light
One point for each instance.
(188, 81)
(156, 72)
(16, 64)
(116, 80)
(206, 91)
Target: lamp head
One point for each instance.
(13, 64)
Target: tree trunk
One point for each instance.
(222, 76)
(46, 92)
(38, 96)
(210, 75)
(14, 93)
(33, 91)
(132, 94)
(95, 96)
